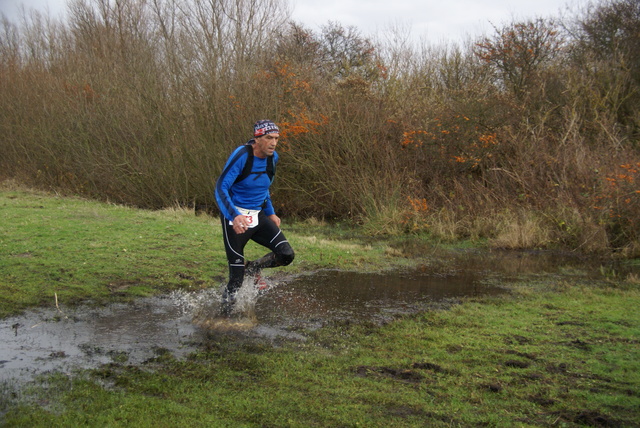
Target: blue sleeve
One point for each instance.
(268, 207)
(232, 169)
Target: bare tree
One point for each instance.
(517, 52)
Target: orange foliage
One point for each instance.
(418, 205)
(290, 81)
(619, 198)
(414, 217)
(460, 138)
(300, 124)
(409, 138)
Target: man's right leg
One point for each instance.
(234, 247)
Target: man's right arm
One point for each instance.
(232, 169)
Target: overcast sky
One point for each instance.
(432, 20)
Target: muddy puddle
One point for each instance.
(64, 339)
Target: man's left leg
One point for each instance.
(270, 236)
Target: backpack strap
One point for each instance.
(271, 168)
(248, 165)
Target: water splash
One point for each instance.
(205, 307)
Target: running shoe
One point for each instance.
(260, 284)
(228, 301)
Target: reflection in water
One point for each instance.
(85, 337)
(330, 295)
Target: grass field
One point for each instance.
(552, 351)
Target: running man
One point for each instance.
(246, 211)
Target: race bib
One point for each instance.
(250, 215)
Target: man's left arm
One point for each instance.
(269, 211)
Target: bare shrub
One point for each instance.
(527, 136)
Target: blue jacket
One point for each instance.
(252, 193)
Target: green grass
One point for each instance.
(82, 250)
(534, 359)
(552, 351)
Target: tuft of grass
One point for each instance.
(520, 230)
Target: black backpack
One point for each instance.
(246, 171)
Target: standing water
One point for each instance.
(64, 339)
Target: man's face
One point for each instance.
(265, 145)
